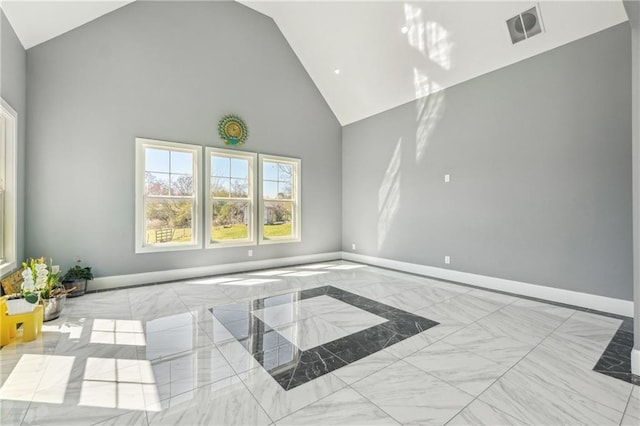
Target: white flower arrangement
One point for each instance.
(40, 279)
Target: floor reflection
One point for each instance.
(268, 327)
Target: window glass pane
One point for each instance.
(220, 187)
(284, 172)
(220, 166)
(181, 185)
(182, 162)
(269, 170)
(277, 219)
(239, 168)
(239, 188)
(284, 191)
(168, 221)
(229, 220)
(2, 187)
(156, 160)
(156, 183)
(270, 190)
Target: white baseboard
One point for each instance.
(585, 300)
(117, 281)
(635, 361)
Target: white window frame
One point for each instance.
(140, 240)
(252, 158)
(296, 226)
(9, 189)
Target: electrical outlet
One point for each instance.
(353, 246)
(250, 253)
(447, 260)
(447, 178)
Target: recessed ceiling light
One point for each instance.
(404, 30)
(336, 71)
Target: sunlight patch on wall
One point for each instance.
(428, 37)
(389, 195)
(433, 41)
(416, 28)
(429, 110)
(438, 45)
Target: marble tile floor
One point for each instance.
(332, 343)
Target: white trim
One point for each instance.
(253, 158)
(591, 301)
(10, 187)
(585, 300)
(104, 283)
(635, 361)
(140, 232)
(296, 226)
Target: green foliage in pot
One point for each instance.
(78, 273)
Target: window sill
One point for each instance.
(160, 249)
(280, 241)
(6, 268)
(230, 244)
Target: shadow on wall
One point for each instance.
(433, 44)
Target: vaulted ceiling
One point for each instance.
(369, 56)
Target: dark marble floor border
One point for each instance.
(616, 358)
(615, 361)
(292, 367)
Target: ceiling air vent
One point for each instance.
(525, 25)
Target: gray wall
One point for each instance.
(13, 89)
(168, 71)
(540, 160)
(633, 11)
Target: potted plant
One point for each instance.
(42, 285)
(76, 279)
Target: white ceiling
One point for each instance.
(38, 21)
(446, 42)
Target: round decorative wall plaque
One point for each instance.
(233, 130)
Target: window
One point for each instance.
(8, 188)
(230, 188)
(167, 201)
(280, 200)
(2, 167)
